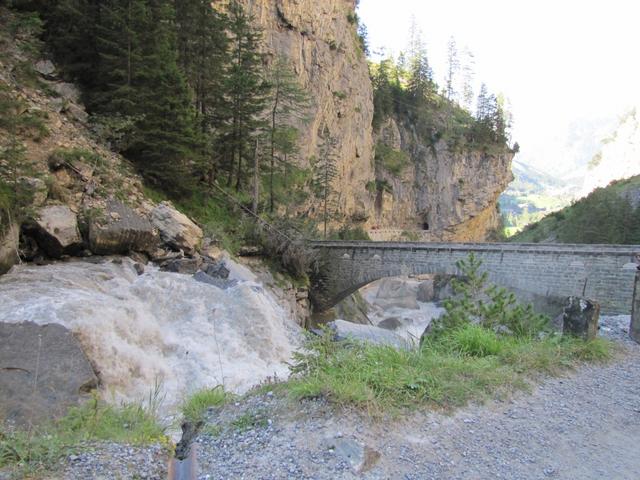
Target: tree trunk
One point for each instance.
(256, 179)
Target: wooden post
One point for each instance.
(634, 327)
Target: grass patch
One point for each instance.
(394, 161)
(195, 407)
(40, 449)
(250, 420)
(470, 363)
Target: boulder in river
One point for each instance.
(120, 230)
(580, 318)
(55, 229)
(397, 292)
(8, 248)
(344, 330)
(176, 229)
(222, 283)
(43, 372)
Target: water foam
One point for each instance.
(157, 327)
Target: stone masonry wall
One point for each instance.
(603, 273)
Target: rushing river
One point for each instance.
(158, 327)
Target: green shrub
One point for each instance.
(394, 161)
(490, 306)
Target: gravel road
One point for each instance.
(585, 425)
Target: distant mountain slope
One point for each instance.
(607, 215)
(618, 156)
(532, 195)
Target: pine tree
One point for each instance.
(246, 92)
(382, 92)
(165, 142)
(288, 105)
(70, 32)
(325, 172)
(453, 66)
(468, 74)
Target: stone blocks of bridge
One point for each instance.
(594, 272)
(634, 328)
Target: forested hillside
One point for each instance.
(607, 215)
(441, 161)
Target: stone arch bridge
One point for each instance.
(603, 273)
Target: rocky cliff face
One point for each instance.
(455, 195)
(322, 45)
(440, 194)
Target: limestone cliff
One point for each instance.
(321, 43)
(454, 194)
(439, 194)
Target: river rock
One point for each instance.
(396, 292)
(43, 372)
(344, 330)
(8, 248)
(187, 266)
(216, 270)
(222, 283)
(176, 229)
(580, 318)
(56, 230)
(120, 230)
(390, 323)
(425, 291)
(442, 288)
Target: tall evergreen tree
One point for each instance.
(203, 57)
(165, 142)
(453, 66)
(246, 92)
(288, 105)
(325, 172)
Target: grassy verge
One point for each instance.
(28, 452)
(195, 406)
(468, 363)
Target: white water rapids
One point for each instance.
(157, 327)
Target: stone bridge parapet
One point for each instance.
(603, 273)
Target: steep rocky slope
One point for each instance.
(319, 38)
(439, 194)
(454, 194)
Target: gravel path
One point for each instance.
(585, 425)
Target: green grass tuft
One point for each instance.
(195, 407)
(470, 363)
(39, 449)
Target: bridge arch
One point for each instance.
(601, 272)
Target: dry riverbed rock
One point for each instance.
(43, 372)
(121, 230)
(55, 228)
(176, 229)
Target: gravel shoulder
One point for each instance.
(584, 425)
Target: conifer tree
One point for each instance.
(246, 92)
(453, 66)
(288, 104)
(383, 92)
(165, 142)
(203, 57)
(325, 172)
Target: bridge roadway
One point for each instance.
(603, 273)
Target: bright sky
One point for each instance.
(558, 61)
